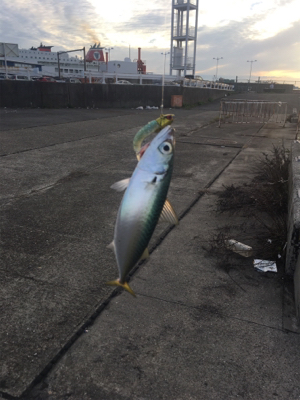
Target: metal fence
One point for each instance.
(252, 111)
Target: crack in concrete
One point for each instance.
(208, 311)
(60, 181)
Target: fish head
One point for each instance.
(159, 154)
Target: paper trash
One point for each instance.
(265, 265)
(238, 247)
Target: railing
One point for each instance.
(102, 77)
(179, 2)
(206, 84)
(255, 111)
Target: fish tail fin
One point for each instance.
(123, 285)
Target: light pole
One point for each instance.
(217, 58)
(109, 49)
(251, 62)
(163, 82)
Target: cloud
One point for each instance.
(144, 23)
(265, 30)
(231, 42)
(61, 24)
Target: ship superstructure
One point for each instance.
(44, 61)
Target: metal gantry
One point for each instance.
(184, 25)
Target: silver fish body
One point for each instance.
(142, 204)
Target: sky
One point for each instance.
(237, 30)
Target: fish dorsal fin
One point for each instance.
(168, 214)
(121, 185)
(145, 254)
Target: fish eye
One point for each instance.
(165, 148)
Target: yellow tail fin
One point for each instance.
(123, 285)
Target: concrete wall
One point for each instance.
(293, 239)
(263, 87)
(59, 95)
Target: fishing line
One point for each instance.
(162, 95)
(163, 83)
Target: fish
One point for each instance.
(152, 127)
(143, 204)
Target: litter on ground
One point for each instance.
(238, 247)
(265, 265)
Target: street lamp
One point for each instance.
(163, 82)
(109, 49)
(251, 62)
(218, 58)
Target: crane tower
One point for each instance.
(183, 36)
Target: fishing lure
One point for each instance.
(152, 127)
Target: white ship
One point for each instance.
(94, 67)
(41, 60)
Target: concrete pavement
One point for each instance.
(198, 329)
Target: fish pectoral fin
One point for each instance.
(121, 185)
(111, 245)
(123, 285)
(168, 214)
(145, 254)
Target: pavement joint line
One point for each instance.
(62, 234)
(50, 145)
(212, 144)
(60, 143)
(77, 140)
(63, 123)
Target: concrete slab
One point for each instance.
(58, 215)
(57, 204)
(170, 350)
